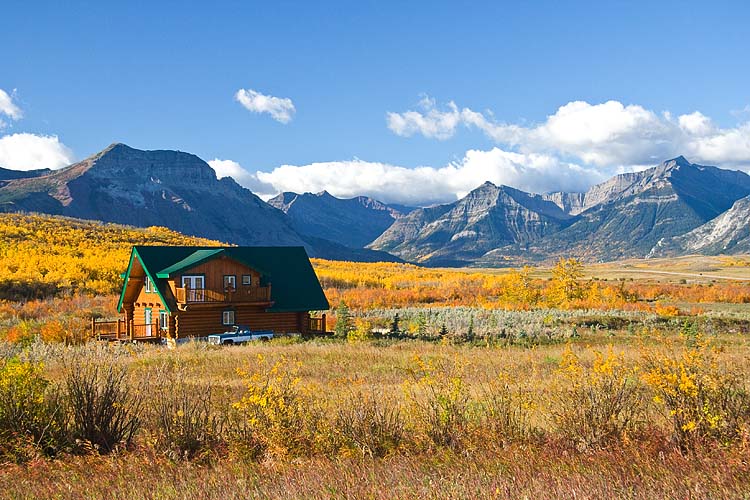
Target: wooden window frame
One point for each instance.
(148, 285)
(223, 319)
(234, 280)
(165, 315)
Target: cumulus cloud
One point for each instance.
(8, 108)
(603, 135)
(230, 168)
(428, 185)
(281, 109)
(26, 151)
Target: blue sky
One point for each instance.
(471, 88)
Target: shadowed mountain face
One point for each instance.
(7, 174)
(152, 188)
(457, 233)
(352, 222)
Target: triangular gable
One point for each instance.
(136, 262)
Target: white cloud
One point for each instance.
(432, 123)
(8, 108)
(427, 185)
(281, 109)
(230, 168)
(29, 151)
(605, 135)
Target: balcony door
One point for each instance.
(194, 288)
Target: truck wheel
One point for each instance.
(228, 342)
(264, 339)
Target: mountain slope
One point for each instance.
(662, 202)
(729, 233)
(353, 222)
(457, 233)
(152, 188)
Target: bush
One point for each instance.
(599, 404)
(505, 411)
(104, 408)
(699, 399)
(440, 401)
(31, 420)
(184, 424)
(371, 424)
(276, 418)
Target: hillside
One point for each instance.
(44, 255)
(729, 233)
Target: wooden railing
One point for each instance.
(105, 329)
(146, 331)
(118, 330)
(240, 294)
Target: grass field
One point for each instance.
(465, 421)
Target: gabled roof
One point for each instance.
(294, 285)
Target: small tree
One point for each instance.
(395, 330)
(565, 286)
(421, 326)
(469, 337)
(344, 322)
(443, 331)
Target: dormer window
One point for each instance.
(148, 285)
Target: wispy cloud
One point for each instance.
(281, 109)
(30, 151)
(604, 135)
(8, 108)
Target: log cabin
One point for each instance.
(179, 292)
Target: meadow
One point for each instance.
(626, 379)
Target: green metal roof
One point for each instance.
(294, 285)
(192, 260)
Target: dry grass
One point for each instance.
(381, 402)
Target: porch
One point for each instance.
(120, 330)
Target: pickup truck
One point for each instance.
(239, 335)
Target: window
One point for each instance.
(149, 285)
(230, 281)
(163, 320)
(247, 279)
(227, 318)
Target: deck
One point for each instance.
(245, 295)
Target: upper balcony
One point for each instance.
(257, 294)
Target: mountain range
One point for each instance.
(674, 208)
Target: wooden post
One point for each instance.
(93, 326)
(171, 327)
(323, 321)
